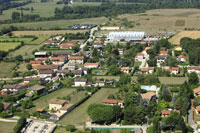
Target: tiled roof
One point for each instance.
(196, 90)
(57, 101)
(76, 58)
(112, 101)
(148, 95)
(91, 64)
(167, 112)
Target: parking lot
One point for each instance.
(38, 127)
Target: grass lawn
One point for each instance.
(57, 23)
(7, 127)
(60, 130)
(22, 67)
(196, 117)
(39, 40)
(75, 98)
(138, 63)
(5, 46)
(42, 102)
(25, 51)
(19, 39)
(6, 69)
(87, 4)
(99, 72)
(79, 115)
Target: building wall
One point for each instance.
(55, 106)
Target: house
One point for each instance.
(40, 54)
(113, 102)
(71, 66)
(52, 42)
(42, 59)
(35, 63)
(147, 70)
(160, 58)
(98, 46)
(197, 109)
(47, 67)
(178, 48)
(121, 51)
(67, 108)
(62, 53)
(166, 113)
(164, 53)
(60, 60)
(139, 57)
(62, 72)
(13, 89)
(174, 70)
(56, 86)
(85, 70)
(40, 110)
(77, 73)
(40, 90)
(181, 58)
(194, 69)
(125, 70)
(32, 79)
(148, 96)
(76, 59)
(196, 92)
(56, 104)
(91, 65)
(80, 82)
(110, 28)
(99, 83)
(46, 73)
(67, 45)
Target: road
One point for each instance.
(190, 118)
(91, 38)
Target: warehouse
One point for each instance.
(126, 36)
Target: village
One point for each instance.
(130, 63)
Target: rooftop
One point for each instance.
(57, 101)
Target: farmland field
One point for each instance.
(161, 21)
(57, 23)
(5, 46)
(192, 34)
(6, 69)
(7, 127)
(40, 39)
(79, 115)
(45, 33)
(25, 51)
(16, 39)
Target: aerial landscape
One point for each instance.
(99, 66)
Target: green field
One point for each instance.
(15, 39)
(58, 23)
(79, 115)
(22, 67)
(25, 51)
(77, 97)
(5, 46)
(163, 80)
(39, 40)
(7, 127)
(42, 102)
(6, 69)
(45, 9)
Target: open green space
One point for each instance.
(77, 97)
(25, 51)
(163, 80)
(7, 127)
(5, 46)
(6, 69)
(99, 72)
(79, 115)
(42, 102)
(22, 67)
(16, 39)
(57, 23)
(39, 40)
(87, 3)
(45, 9)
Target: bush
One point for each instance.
(20, 124)
(70, 128)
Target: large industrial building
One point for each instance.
(126, 36)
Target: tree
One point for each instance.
(114, 70)
(124, 79)
(101, 113)
(166, 94)
(196, 101)
(75, 48)
(20, 123)
(15, 15)
(19, 58)
(193, 78)
(70, 128)
(29, 66)
(1, 107)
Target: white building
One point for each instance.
(126, 36)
